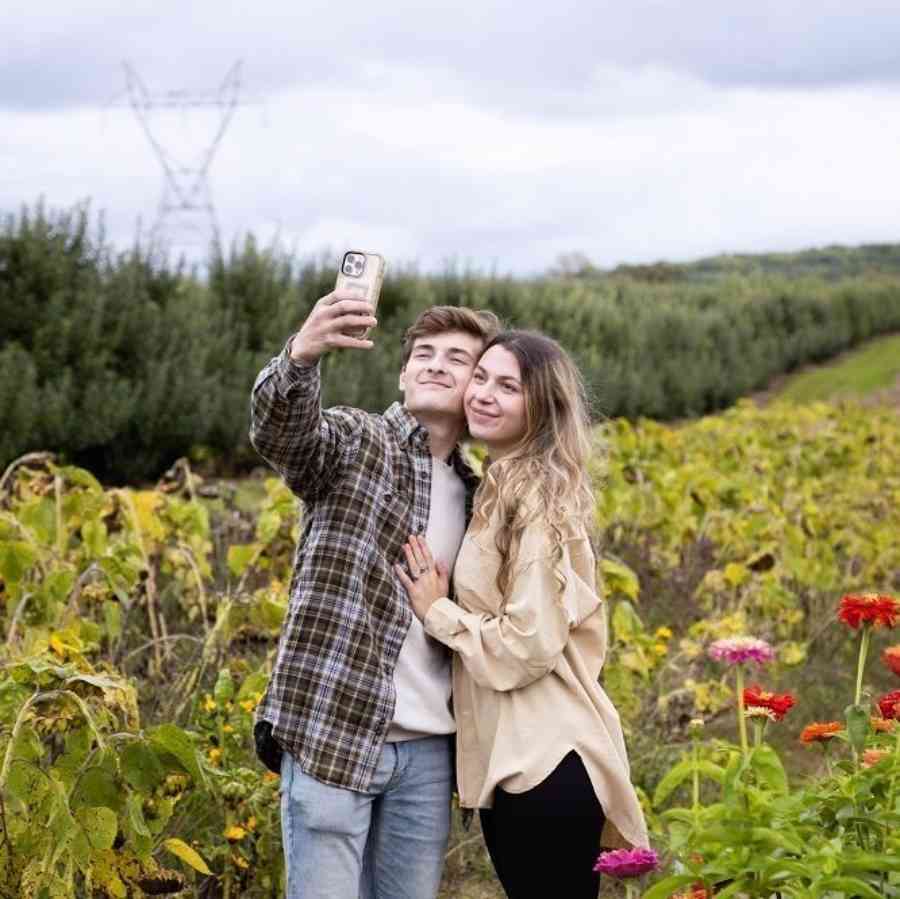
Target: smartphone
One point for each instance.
(361, 273)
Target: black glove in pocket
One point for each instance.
(268, 749)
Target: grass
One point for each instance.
(873, 367)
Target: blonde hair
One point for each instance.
(546, 474)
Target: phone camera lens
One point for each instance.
(348, 268)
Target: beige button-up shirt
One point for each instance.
(525, 672)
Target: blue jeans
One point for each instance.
(387, 843)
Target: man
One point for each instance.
(359, 696)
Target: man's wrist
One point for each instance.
(294, 375)
(298, 357)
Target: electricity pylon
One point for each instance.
(186, 206)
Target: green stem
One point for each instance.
(220, 727)
(696, 781)
(226, 880)
(742, 722)
(61, 539)
(890, 802)
(861, 664)
(10, 747)
(758, 732)
(826, 747)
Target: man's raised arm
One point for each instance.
(287, 425)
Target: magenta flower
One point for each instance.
(622, 863)
(737, 650)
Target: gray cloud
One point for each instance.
(538, 58)
(490, 133)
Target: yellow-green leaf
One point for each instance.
(736, 574)
(188, 855)
(626, 622)
(240, 556)
(792, 653)
(146, 504)
(619, 578)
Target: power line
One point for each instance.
(186, 203)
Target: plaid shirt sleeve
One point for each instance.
(288, 428)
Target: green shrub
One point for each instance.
(122, 362)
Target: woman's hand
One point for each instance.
(426, 580)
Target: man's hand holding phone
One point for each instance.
(327, 325)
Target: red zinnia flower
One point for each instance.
(820, 732)
(891, 658)
(778, 703)
(889, 705)
(697, 892)
(869, 608)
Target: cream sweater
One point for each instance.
(525, 672)
(422, 673)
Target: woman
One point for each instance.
(540, 750)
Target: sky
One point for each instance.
(496, 136)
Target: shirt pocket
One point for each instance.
(475, 577)
(579, 600)
(392, 512)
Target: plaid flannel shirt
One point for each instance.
(365, 481)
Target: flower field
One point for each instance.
(139, 624)
(747, 530)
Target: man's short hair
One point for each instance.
(441, 319)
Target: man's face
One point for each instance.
(438, 371)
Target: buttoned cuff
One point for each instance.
(444, 619)
(293, 374)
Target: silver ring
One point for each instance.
(414, 573)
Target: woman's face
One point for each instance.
(495, 402)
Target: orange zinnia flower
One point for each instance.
(889, 705)
(873, 757)
(882, 725)
(891, 658)
(697, 892)
(820, 732)
(869, 608)
(778, 703)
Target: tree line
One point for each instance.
(124, 361)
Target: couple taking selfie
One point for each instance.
(442, 632)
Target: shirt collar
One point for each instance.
(404, 422)
(407, 426)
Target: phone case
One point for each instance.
(364, 281)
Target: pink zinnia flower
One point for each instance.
(737, 650)
(623, 863)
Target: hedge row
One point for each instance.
(123, 362)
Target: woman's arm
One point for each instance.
(512, 650)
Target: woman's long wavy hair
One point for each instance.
(550, 462)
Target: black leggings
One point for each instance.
(545, 841)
